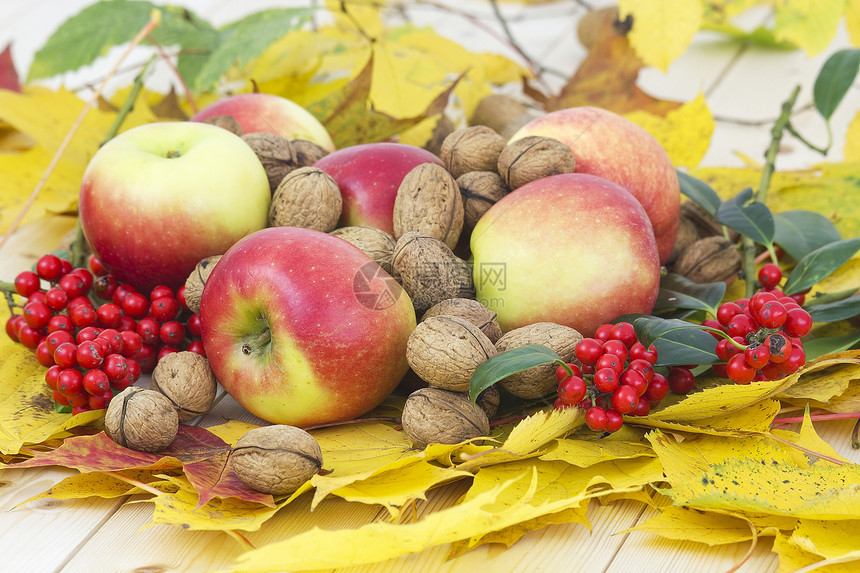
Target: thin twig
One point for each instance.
(169, 61)
(538, 69)
(817, 418)
(138, 484)
(155, 20)
(805, 449)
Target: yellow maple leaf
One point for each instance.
(98, 484)
(794, 555)
(685, 133)
(708, 527)
(381, 540)
(851, 151)
(662, 29)
(808, 438)
(586, 453)
(809, 24)
(359, 16)
(754, 417)
(824, 385)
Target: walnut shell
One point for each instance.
(197, 280)
(705, 223)
(186, 379)
(480, 190)
(375, 243)
(307, 152)
(503, 114)
(688, 234)
(276, 459)
(428, 200)
(474, 148)
(433, 415)
(471, 310)
(445, 351)
(141, 420)
(533, 157)
(708, 260)
(538, 381)
(429, 271)
(276, 153)
(306, 197)
(227, 122)
(489, 400)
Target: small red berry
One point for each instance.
(95, 382)
(74, 285)
(65, 355)
(638, 351)
(37, 314)
(595, 418)
(83, 315)
(164, 309)
(739, 371)
(727, 311)
(624, 332)
(635, 380)
(96, 266)
(131, 343)
(798, 323)
(26, 283)
(108, 315)
(56, 298)
(756, 356)
(196, 346)
(115, 366)
(779, 346)
(172, 333)
(49, 267)
(606, 380)
(43, 355)
(52, 376)
(603, 332)
(572, 390)
(105, 286)
(681, 380)
(614, 421)
(61, 322)
(772, 314)
(160, 291)
(624, 399)
(643, 408)
(70, 382)
(588, 350)
(194, 328)
(560, 372)
(657, 389)
(149, 330)
(769, 275)
(610, 361)
(135, 305)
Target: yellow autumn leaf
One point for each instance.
(825, 384)
(97, 484)
(808, 438)
(662, 29)
(792, 557)
(755, 417)
(379, 541)
(360, 16)
(232, 430)
(852, 20)
(809, 24)
(685, 133)
(755, 475)
(180, 508)
(586, 453)
(528, 437)
(710, 528)
(851, 151)
(829, 539)
(394, 488)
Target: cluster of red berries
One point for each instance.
(616, 377)
(762, 333)
(92, 349)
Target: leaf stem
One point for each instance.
(241, 539)
(138, 484)
(748, 249)
(809, 144)
(805, 450)
(154, 21)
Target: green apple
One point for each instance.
(573, 249)
(160, 197)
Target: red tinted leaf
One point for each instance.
(8, 75)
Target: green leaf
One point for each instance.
(749, 218)
(246, 39)
(819, 264)
(834, 80)
(801, 232)
(833, 311)
(676, 341)
(677, 291)
(700, 192)
(93, 31)
(509, 362)
(820, 346)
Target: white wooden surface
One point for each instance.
(104, 535)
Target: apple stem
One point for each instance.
(154, 21)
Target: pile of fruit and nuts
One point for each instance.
(261, 258)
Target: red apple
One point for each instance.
(157, 198)
(574, 249)
(610, 146)
(301, 327)
(368, 176)
(272, 114)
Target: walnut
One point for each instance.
(474, 148)
(538, 381)
(445, 351)
(429, 271)
(307, 197)
(708, 260)
(688, 234)
(533, 157)
(376, 244)
(433, 415)
(276, 459)
(480, 191)
(197, 280)
(227, 122)
(186, 379)
(307, 152)
(471, 310)
(141, 420)
(503, 114)
(428, 200)
(488, 401)
(276, 153)
(705, 223)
